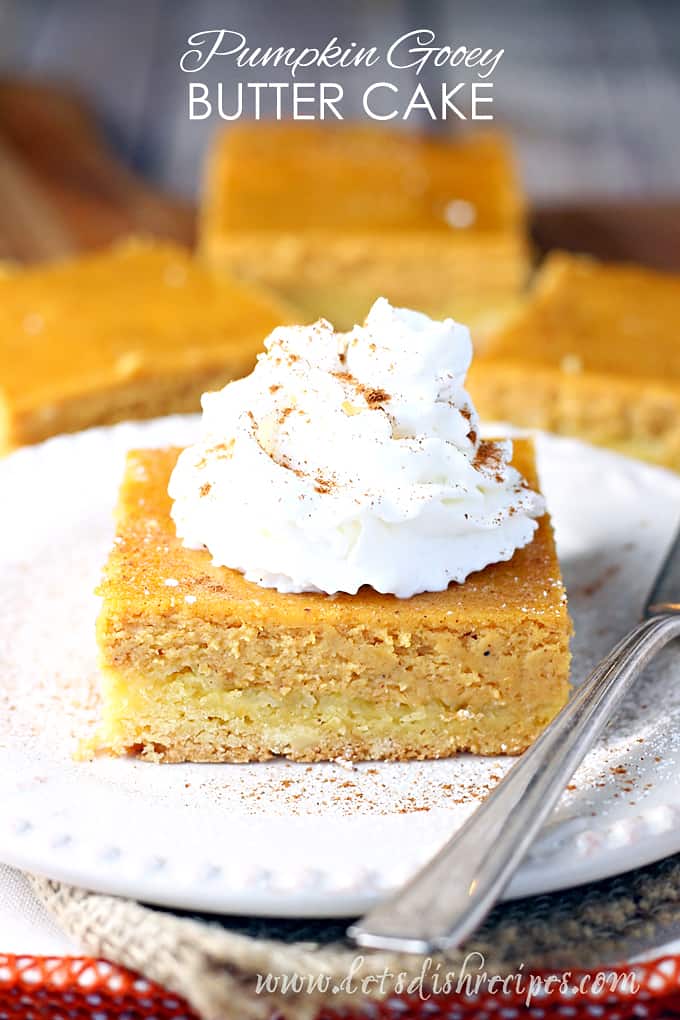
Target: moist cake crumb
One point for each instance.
(251, 674)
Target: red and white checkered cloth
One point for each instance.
(42, 978)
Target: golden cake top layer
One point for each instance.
(357, 178)
(589, 316)
(151, 572)
(137, 310)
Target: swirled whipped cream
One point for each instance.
(350, 459)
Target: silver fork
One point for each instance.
(452, 894)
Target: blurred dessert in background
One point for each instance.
(593, 352)
(329, 215)
(133, 332)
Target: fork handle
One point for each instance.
(451, 895)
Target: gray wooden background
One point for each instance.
(590, 89)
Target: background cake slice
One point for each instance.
(593, 352)
(329, 215)
(201, 665)
(134, 332)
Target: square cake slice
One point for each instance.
(199, 664)
(134, 332)
(593, 352)
(329, 215)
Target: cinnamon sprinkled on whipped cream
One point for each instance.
(350, 459)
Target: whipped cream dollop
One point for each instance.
(350, 459)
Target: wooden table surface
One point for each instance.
(63, 189)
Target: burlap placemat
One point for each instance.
(216, 964)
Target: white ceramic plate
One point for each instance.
(285, 839)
